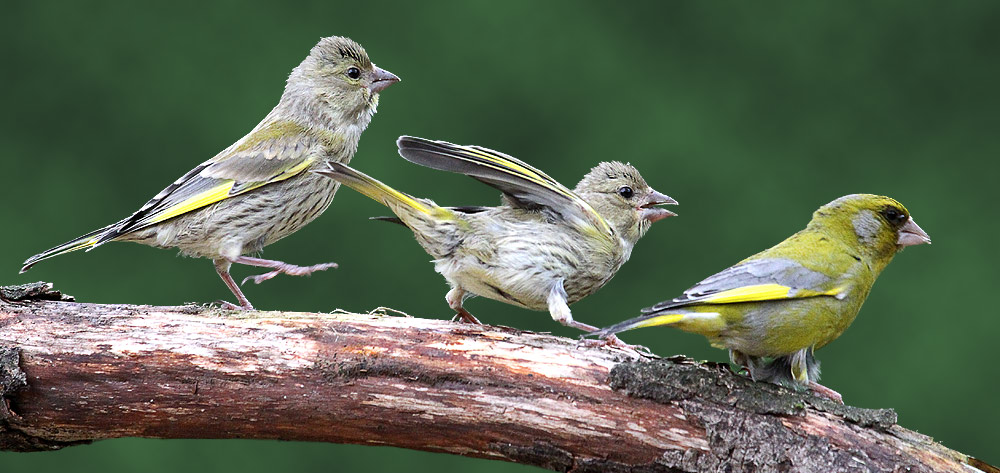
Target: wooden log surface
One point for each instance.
(71, 373)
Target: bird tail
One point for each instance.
(87, 241)
(406, 207)
(645, 320)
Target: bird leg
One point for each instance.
(801, 365)
(559, 310)
(455, 297)
(279, 267)
(744, 361)
(805, 369)
(222, 267)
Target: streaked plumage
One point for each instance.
(546, 247)
(258, 190)
(773, 309)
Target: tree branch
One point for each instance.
(71, 373)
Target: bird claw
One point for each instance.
(289, 269)
(260, 277)
(614, 342)
(230, 306)
(463, 316)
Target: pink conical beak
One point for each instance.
(381, 80)
(911, 234)
(649, 210)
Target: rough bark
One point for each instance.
(72, 373)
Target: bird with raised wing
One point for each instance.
(544, 248)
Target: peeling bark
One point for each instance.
(72, 373)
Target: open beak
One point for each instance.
(381, 80)
(649, 210)
(911, 234)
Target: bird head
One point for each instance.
(878, 226)
(619, 193)
(339, 74)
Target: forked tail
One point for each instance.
(84, 242)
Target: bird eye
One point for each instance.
(626, 192)
(894, 216)
(354, 73)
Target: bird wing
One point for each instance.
(757, 280)
(271, 153)
(526, 186)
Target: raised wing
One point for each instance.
(526, 186)
(269, 154)
(756, 280)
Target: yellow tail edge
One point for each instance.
(639, 322)
(376, 190)
(85, 242)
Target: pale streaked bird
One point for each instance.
(774, 309)
(260, 190)
(546, 247)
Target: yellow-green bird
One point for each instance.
(259, 190)
(773, 309)
(546, 247)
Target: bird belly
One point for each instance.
(516, 288)
(520, 259)
(779, 328)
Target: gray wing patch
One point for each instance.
(781, 271)
(256, 166)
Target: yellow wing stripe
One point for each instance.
(664, 319)
(527, 173)
(765, 292)
(85, 244)
(605, 226)
(195, 202)
(761, 292)
(540, 178)
(290, 171)
(221, 192)
(530, 173)
(810, 293)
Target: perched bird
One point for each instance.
(259, 190)
(773, 309)
(546, 247)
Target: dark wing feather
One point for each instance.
(526, 186)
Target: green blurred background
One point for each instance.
(751, 115)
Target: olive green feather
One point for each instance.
(797, 296)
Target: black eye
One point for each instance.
(354, 73)
(626, 192)
(894, 216)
